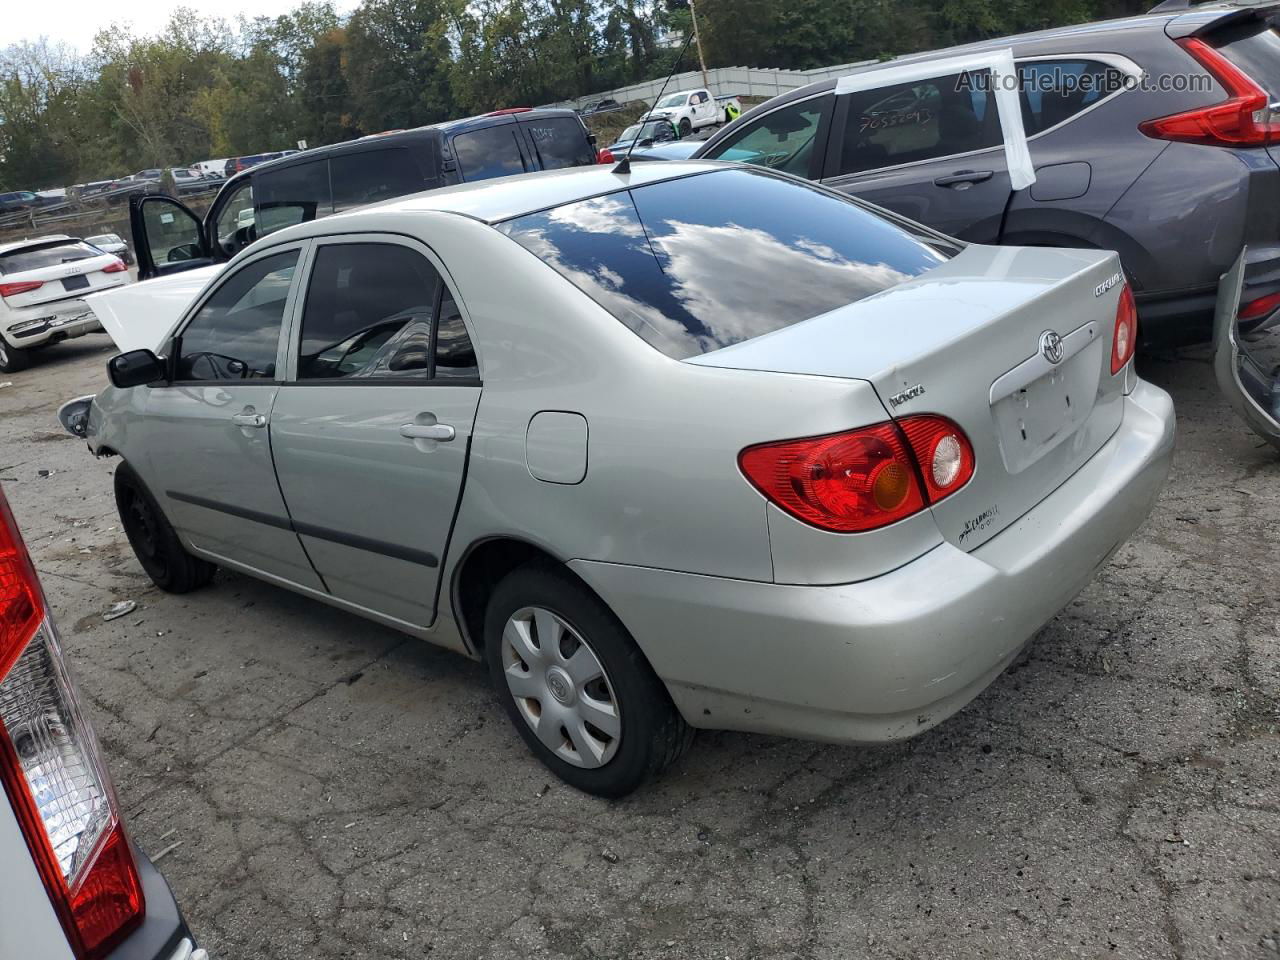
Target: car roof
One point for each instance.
(430, 133)
(35, 242)
(492, 201)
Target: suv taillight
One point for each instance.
(116, 267)
(863, 479)
(1124, 339)
(52, 771)
(604, 155)
(1242, 120)
(19, 286)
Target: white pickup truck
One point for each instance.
(690, 109)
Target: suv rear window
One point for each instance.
(560, 142)
(1254, 47)
(667, 259)
(36, 258)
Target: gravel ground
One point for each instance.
(341, 791)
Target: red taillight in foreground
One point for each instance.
(1242, 120)
(866, 478)
(1262, 307)
(1124, 340)
(19, 286)
(116, 267)
(52, 772)
(605, 155)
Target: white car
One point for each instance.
(42, 285)
(690, 110)
(73, 885)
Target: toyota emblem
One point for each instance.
(1051, 346)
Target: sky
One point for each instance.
(75, 22)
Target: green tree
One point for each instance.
(399, 61)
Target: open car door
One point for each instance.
(939, 141)
(1246, 356)
(167, 237)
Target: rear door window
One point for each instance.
(1053, 91)
(559, 142)
(296, 194)
(360, 178)
(666, 259)
(488, 152)
(918, 120)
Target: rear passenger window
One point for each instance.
(1052, 91)
(490, 152)
(371, 313)
(455, 357)
(362, 178)
(560, 142)
(294, 195)
(921, 120)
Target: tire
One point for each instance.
(13, 359)
(153, 539)
(686, 127)
(651, 734)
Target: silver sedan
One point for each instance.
(694, 446)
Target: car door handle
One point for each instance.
(428, 431)
(249, 419)
(964, 176)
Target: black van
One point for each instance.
(168, 237)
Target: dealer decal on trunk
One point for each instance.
(983, 520)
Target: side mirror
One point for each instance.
(135, 368)
(74, 416)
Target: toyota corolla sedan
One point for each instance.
(693, 446)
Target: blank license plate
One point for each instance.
(75, 283)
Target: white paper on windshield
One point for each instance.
(1004, 89)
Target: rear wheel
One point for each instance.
(154, 541)
(13, 359)
(576, 686)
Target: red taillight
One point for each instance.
(863, 479)
(1242, 120)
(1124, 340)
(605, 156)
(1262, 307)
(19, 286)
(52, 772)
(117, 267)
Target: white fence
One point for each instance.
(723, 82)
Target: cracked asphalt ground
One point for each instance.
(341, 791)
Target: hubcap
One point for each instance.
(561, 688)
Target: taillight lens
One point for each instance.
(1124, 341)
(117, 267)
(19, 286)
(605, 155)
(863, 479)
(1262, 307)
(1242, 120)
(52, 771)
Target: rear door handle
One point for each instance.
(428, 431)
(964, 176)
(249, 419)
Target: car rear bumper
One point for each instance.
(49, 323)
(890, 657)
(163, 934)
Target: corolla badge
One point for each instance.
(1051, 346)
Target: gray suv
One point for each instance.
(1155, 136)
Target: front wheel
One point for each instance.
(686, 127)
(154, 541)
(576, 686)
(13, 359)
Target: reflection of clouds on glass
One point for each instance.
(613, 215)
(802, 280)
(604, 285)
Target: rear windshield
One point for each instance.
(36, 258)
(1254, 47)
(560, 142)
(707, 261)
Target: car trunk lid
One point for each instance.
(964, 340)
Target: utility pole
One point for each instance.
(702, 61)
